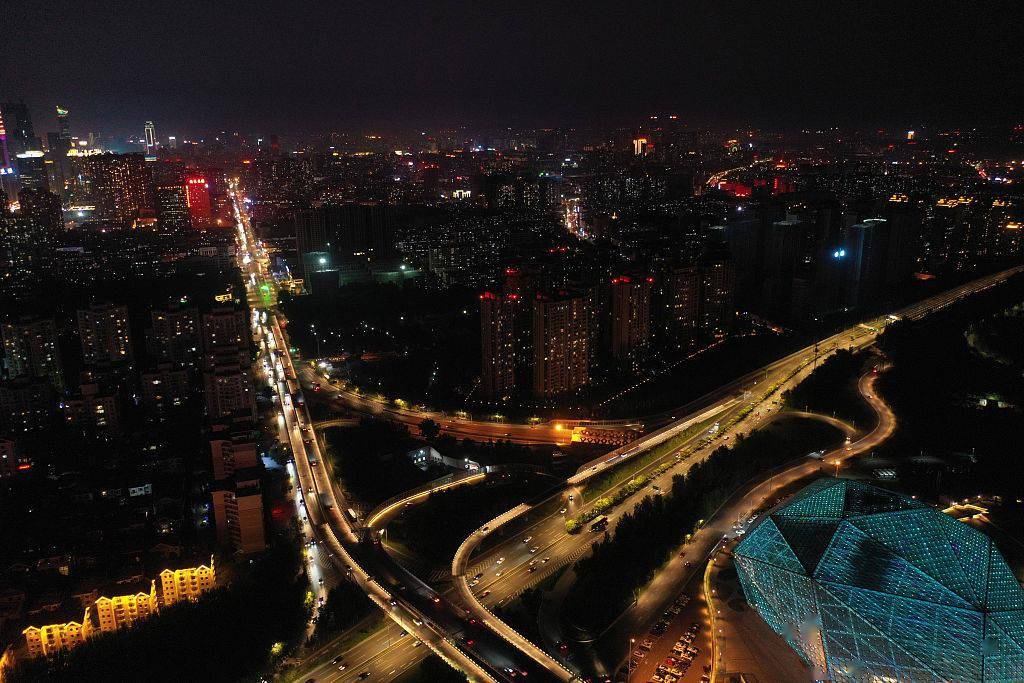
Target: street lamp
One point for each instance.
(629, 658)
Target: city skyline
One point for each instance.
(374, 343)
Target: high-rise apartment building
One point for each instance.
(237, 495)
(876, 249)
(172, 211)
(345, 233)
(26, 404)
(105, 333)
(682, 298)
(165, 390)
(717, 312)
(233, 448)
(118, 184)
(176, 335)
(30, 350)
(225, 327)
(228, 389)
(238, 511)
(561, 348)
(630, 324)
(498, 342)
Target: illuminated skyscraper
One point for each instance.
(172, 213)
(63, 127)
(717, 312)
(868, 585)
(21, 136)
(118, 186)
(630, 314)
(32, 173)
(561, 343)
(198, 197)
(150, 136)
(498, 315)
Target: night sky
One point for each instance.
(293, 67)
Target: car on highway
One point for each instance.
(485, 593)
(527, 539)
(534, 549)
(500, 560)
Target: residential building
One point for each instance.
(561, 348)
(26, 404)
(165, 390)
(717, 312)
(52, 638)
(172, 210)
(30, 350)
(498, 341)
(124, 611)
(175, 335)
(238, 510)
(233, 448)
(229, 389)
(187, 583)
(630, 324)
(118, 185)
(105, 334)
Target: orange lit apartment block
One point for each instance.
(124, 611)
(46, 640)
(187, 584)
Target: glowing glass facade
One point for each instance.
(870, 586)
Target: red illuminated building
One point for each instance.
(197, 194)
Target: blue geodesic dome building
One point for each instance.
(869, 585)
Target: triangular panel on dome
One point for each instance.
(824, 498)
(971, 548)
(1004, 591)
(855, 559)
(808, 537)
(766, 544)
(1004, 646)
(918, 536)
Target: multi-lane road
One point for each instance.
(416, 608)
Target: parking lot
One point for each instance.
(676, 649)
